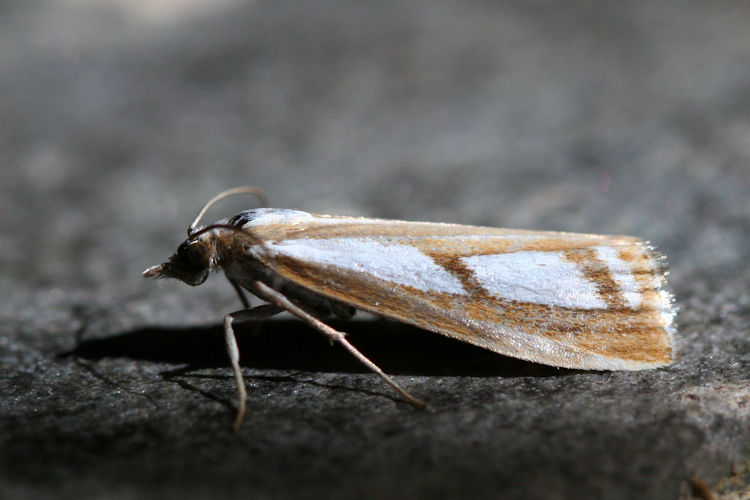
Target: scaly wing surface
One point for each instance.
(562, 299)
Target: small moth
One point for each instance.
(570, 300)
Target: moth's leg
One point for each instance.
(279, 300)
(240, 294)
(255, 314)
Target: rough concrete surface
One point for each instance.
(121, 118)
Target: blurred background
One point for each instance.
(120, 118)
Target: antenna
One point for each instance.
(259, 193)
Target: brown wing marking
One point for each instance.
(596, 271)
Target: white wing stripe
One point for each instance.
(536, 277)
(400, 264)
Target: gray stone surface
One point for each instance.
(120, 118)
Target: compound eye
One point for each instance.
(193, 254)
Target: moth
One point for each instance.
(569, 300)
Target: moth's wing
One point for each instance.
(562, 299)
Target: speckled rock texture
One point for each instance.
(121, 118)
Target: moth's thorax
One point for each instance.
(232, 248)
(236, 252)
(232, 251)
(223, 244)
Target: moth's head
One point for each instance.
(190, 263)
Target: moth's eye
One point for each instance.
(194, 255)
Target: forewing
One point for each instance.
(562, 299)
